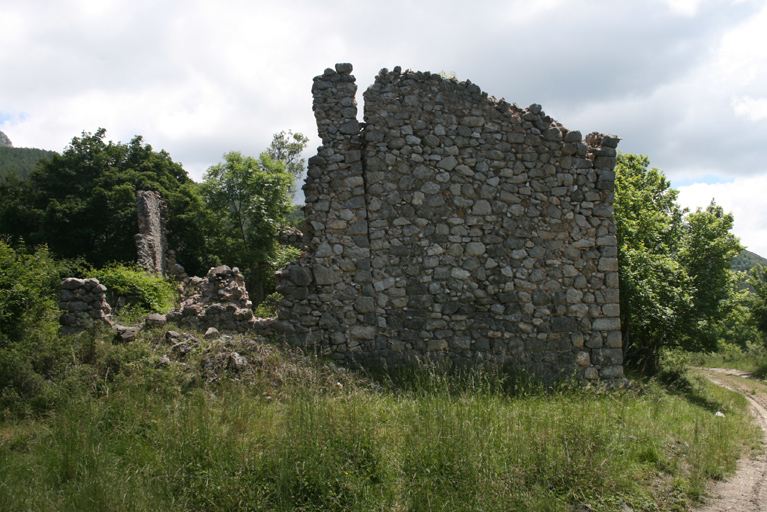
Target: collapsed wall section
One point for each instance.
(456, 224)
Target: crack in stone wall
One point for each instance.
(450, 223)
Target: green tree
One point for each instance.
(287, 147)
(654, 288)
(250, 199)
(30, 351)
(28, 285)
(676, 286)
(83, 202)
(707, 248)
(18, 217)
(758, 281)
(737, 327)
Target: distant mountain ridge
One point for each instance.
(5, 141)
(747, 260)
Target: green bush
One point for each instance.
(28, 286)
(283, 254)
(155, 294)
(29, 350)
(268, 306)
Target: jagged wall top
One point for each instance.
(335, 107)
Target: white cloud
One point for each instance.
(686, 7)
(750, 108)
(742, 55)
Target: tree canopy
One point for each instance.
(83, 202)
(758, 281)
(249, 199)
(706, 250)
(287, 148)
(675, 275)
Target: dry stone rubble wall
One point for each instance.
(220, 301)
(83, 302)
(453, 223)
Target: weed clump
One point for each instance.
(151, 294)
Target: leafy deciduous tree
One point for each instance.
(83, 202)
(675, 277)
(736, 327)
(758, 282)
(707, 248)
(287, 147)
(655, 291)
(250, 198)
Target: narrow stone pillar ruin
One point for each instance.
(151, 240)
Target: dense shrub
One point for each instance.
(268, 306)
(28, 284)
(155, 295)
(29, 351)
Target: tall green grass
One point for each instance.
(303, 437)
(751, 359)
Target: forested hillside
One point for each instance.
(747, 260)
(20, 161)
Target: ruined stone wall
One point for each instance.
(83, 302)
(220, 301)
(151, 241)
(453, 223)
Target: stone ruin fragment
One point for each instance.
(291, 237)
(152, 238)
(455, 225)
(220, 301)
(84, 303)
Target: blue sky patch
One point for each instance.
(708, 179)
(9, 118)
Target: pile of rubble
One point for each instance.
(221, 301)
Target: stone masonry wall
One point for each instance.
(151, 240)
(83, 302)
(220, 301)
(456, 224)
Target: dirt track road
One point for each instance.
(746, 491)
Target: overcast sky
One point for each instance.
(682, 81)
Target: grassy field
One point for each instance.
(134, 430)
